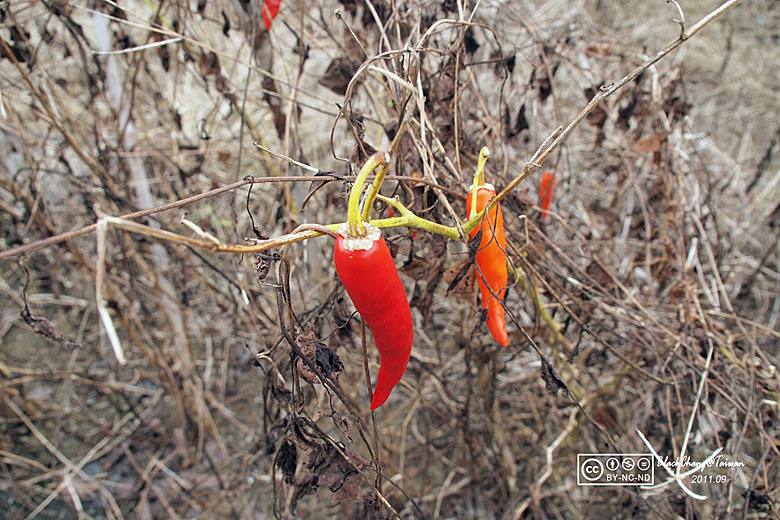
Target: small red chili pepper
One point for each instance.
(546, 186)
(491, 255)
(367, 270)
(270, 10)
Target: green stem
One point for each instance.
(374, 190)
(409, 219)
(479, 179)
(356, 228)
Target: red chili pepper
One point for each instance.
(367, 270)
(491, 255)
(270, 10)
(372, 282)
(546, 185)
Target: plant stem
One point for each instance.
(374, 190)
(479, 178)
(356, 228)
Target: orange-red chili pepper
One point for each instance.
(491, 255)
(546, 185)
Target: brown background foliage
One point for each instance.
(659, 262)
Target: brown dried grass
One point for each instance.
(660, 263)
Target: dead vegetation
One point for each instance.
(657, 268)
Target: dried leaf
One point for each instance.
(650, 144)
(209, 64)
(600, 50)
(307, 373)
(503, 63)
(287, 460)
(598, 116)
(679, 107)
(162, 52)
(306, 486)
(349, 491)
(423, 301)
(342, 424)
(44, 327)
(552, 382)
(350, 6)
(300, 438)
(263, 263)
(461, 280)
(470, 43)
(362, 150)
(223, 87)
(328, 361)
(521, 123)
(334, 471)
(437, 252)
(225, 22)
(544, 81)
(423, 292)
(305, 342)
(338, 75)
(20, 52)
(19, 34)
(416, 268)
(605, 416)
(600, 275)
(61, 7)
(324, 462)
(449, 6)
(269, 88)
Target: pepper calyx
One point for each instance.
(486, 185)
(363, 242)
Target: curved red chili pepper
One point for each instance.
(491, 259)
(270, 10)
(369, 275)
(491, 255)
(546, 185)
